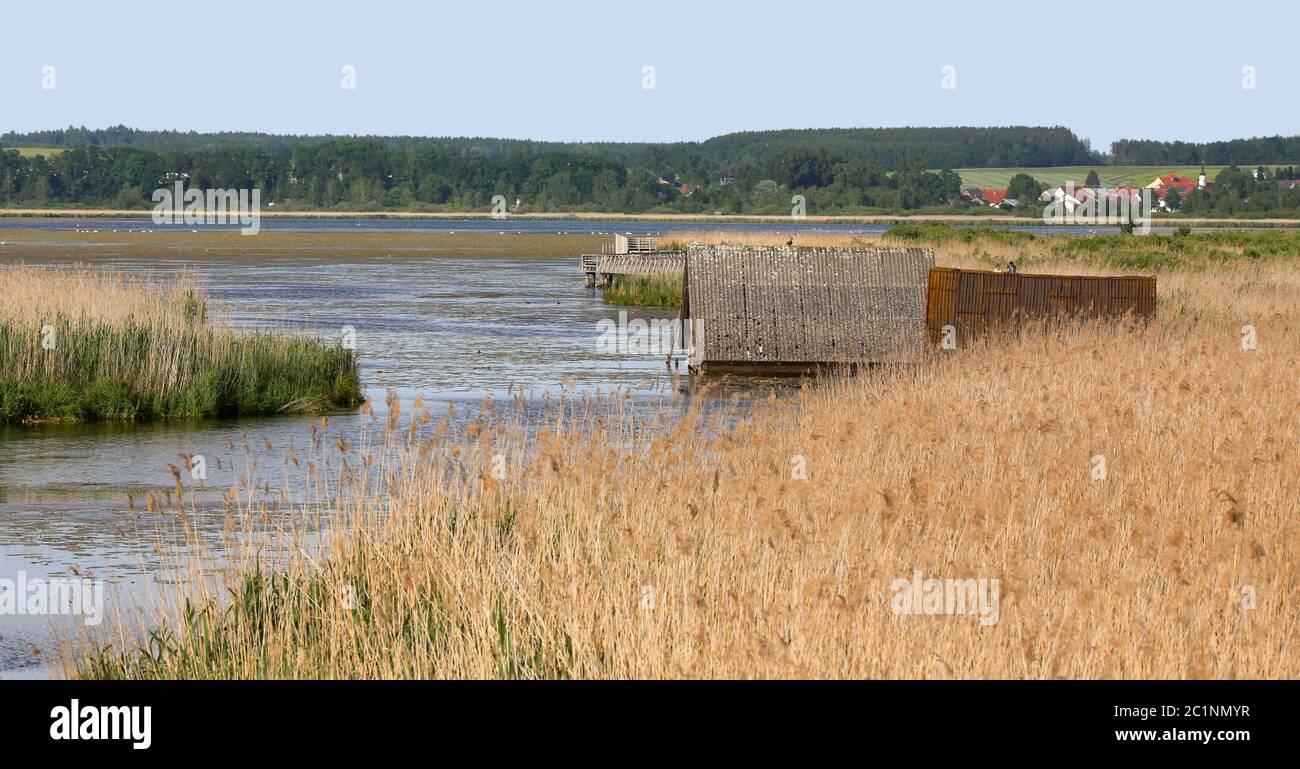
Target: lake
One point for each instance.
(452, 330)
(516, 226)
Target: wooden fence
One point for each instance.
(658, 263)
(763, 309)
(973, 301)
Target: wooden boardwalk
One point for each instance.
(600, 269)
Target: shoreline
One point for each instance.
(112, 213)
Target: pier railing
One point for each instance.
(600, 269)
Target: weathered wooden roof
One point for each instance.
(774, 306)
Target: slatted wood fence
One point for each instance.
(762, 309)
(658, 263)
(975, 301)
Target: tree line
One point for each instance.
(365, 175)
(943, 147)
(1244, 152)
(836, 171)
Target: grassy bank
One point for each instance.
(988, 247)
(77, 344)
(772, 547)
(1200, 250)
(646, 291)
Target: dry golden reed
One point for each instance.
(697, 549)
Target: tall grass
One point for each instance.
(646, 290)
(768, 547)
(83, 344)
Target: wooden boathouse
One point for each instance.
(794, 309)
(971, 302)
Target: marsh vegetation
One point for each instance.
(766, 546)
(82, 344)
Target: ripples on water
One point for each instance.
(452, 331)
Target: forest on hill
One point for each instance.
(836, 171)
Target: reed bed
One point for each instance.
(646, 291)
(771, 546)
(85, 344)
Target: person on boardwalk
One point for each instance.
(1011, 268)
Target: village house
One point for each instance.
(1134, 194)
(1070, 198)
(995, 195)
(1162, 184)
(988, 196)
(1183, 184)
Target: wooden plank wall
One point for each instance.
(974, 301)
(792, 305)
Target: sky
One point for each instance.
(575, 71)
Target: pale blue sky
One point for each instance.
(572, 71)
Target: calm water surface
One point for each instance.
(451, 330)
(520, 226)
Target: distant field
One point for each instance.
(1110, 176)
(31, 152)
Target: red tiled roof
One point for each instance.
(1181, 182)
(995, 195)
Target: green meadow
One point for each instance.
(31, 152)
(1110, 176)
